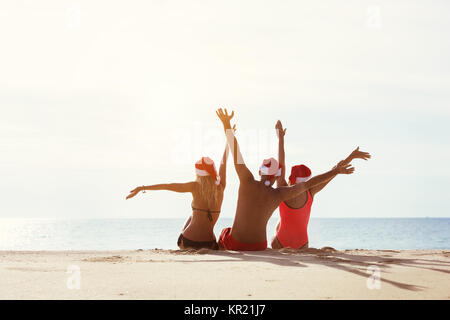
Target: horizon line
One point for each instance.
(174, 218)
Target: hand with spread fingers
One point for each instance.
(343, 168)
(225, 117)
(356, 154)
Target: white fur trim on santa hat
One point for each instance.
(203, 173)
(265, 171)
(302, 179)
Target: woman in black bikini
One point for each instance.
(207, 193)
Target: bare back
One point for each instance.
(256, 204)
(201, 228)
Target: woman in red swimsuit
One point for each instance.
(207, 193)
(292, 229)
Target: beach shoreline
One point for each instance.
(206, 274)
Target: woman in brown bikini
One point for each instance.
(207, 193)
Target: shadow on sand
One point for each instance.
(346, 261)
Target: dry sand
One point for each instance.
(205, 274)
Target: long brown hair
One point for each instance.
(209, 190)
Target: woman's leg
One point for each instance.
(278, 225)
(276, 244)
(305, 246)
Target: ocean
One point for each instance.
(132, 234)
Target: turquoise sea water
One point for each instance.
(131, 234)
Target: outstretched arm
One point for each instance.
(241, 169)
(223, 164)
(176, 187)
(289, 192)
(356, 154)
(281, 181)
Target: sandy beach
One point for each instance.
(205, 274)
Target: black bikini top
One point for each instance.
(206, 210)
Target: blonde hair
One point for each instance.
(209, 190)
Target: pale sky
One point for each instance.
(98, 97)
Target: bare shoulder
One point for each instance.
(248, 181)
(283, 192)
(193, 185)
(276, 191)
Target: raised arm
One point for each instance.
(289, 192)
(241, 169)
(176, 187)
(223, 164)
(281, 181)
(356, 154)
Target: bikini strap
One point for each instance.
(206, 210)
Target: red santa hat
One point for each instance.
(299, 173)
(206, 167)
(271, 168)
